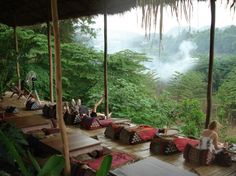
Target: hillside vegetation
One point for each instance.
(135, 92)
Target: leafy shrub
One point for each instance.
(191, 117)
(15, 153)
(231, 139)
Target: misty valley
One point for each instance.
(160, 83)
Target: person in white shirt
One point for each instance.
(210, 138)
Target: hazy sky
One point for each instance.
(131, 21)
(120, 38)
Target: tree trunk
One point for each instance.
(210, 68)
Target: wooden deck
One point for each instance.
(140, 150)
(78, 143)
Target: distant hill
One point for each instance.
(118, 41)
(225, 41)
(180, 47)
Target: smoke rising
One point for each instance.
(180, 62)
(164, 67)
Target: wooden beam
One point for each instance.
(105, 63)
(50, 62)
(211, 62)
(17, 58)
(59, 86)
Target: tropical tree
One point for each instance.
(189, 85)
(227, 95)
(7, 58)
(190, 117)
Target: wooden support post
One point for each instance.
(105, 63)
(59, 86)
(161, 27)
(50, 63)
(211, 62)
(17, 59)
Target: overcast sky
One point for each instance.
(131, 21)
(120, 38)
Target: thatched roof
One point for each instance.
(29, 12)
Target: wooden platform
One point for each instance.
(140, 150)
(25, 120)
(78, 143)
(151, 166)
(30, 123)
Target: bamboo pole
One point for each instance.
(161, 27)
(50, 62)
(59, 86)
(211, 62)
(105, 63)
(17, 59)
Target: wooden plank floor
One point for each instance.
(140, 150)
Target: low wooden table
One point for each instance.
(232, 153)
(150, 167)
(31, 123)
(169, 132)
(120, 120)
(78, 143)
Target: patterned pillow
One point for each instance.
(198, 156)
(161, 145)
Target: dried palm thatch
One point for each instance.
(232, 3)
(29, 12)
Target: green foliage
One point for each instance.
(32, 55)
(131, 94)
(132, 87)
(224, 41)
(71, 30)
(34, 162)
(189, 85)
(7, 58)
(84, 30)
(222, 66)
(105, 166)
(230, 140)
(53, 166)
(79, 29)
(12, 152)
(191, 117)
(227, 91)
(16, 137)
(82, 69)
(227, 95)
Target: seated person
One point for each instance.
(209, 139)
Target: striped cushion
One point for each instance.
(197, 156)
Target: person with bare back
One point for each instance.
(209, 139)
